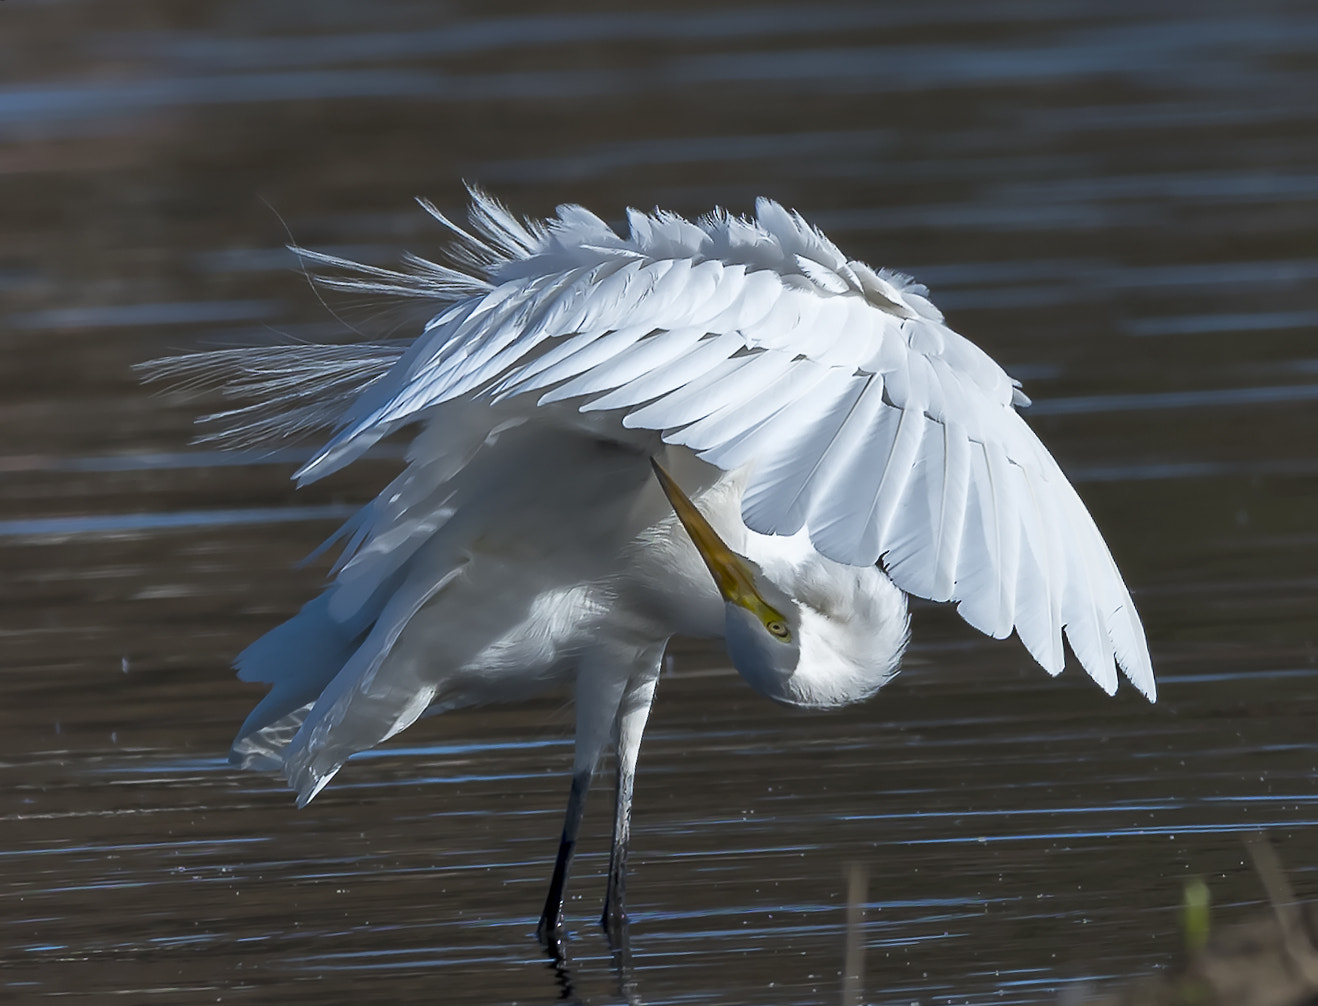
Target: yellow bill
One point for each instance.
(731, 574)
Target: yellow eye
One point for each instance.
(778, 629)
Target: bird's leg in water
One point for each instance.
(600, 690)
(607, 703)
(550, 931)
(614, 919)
(632, 716)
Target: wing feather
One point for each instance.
(869, 434)
(860, 415)
(953, 503)
(709, 352)
(897, 469)
(784, 486)
(659, 349)
(1008, 509)
(759, 293)
(1038, 616)
(732, 421)
(600, 350)
(978, 588)
(738, 447)
(912, 537)
(740, 382)
(691, 401)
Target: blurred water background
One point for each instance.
(1118, 200)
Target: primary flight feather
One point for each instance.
(822, 442)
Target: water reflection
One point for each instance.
(1118, 203)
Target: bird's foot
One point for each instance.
(556, 949)
(616, 926)
(552, 935)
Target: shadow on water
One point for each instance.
(1117, 202)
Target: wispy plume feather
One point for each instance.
(291, 391)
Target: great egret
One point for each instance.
(822, 446)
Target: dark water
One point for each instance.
(1118, 200)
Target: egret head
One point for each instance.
(815, 634)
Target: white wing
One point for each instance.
(862, 416)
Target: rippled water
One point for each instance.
(1118, 200)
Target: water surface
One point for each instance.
(1118, 201)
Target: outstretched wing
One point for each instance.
(862, 417)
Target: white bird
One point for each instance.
(823, 445)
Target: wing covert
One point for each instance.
(861, 415)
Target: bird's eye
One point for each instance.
(778, 629)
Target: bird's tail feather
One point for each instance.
(299, 658)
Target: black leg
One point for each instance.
(614, 919)
(632, 715)
(551, 931)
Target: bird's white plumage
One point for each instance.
(865, 420)
(821, 440)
